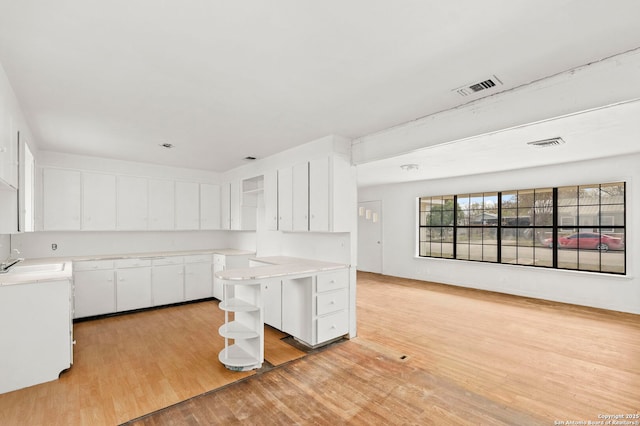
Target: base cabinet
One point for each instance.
(272, 297)
(133, 284)
(198, 279)
(37, 339)
(94, 292)
(167, 282)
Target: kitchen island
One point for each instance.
(305, 298)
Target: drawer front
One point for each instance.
(91, 265)
(198, 258)
(331, 302)
(171, 260)
(332, 326)
(132, 263)
(328, 281)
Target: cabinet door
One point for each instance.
(285, 199)
(95, 293)
(272, 303)
(198, 281)
(98, 202)
(61, 199)
(319, 201)
(161, 204)
(132, 203)
(133, 288)
(167, 283)
(234, 206)
(301, 197)
(8, 146)
(187, 205)
(209, 206)
(271, 200)
(225, 206)
(297, 315)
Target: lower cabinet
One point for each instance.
(272, 299)
(37, 336)
(315, 308)
(198, 277)
(95, 288)
(167, 279)
(133, 285)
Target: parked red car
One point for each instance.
(587, 240)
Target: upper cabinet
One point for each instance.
(271, 200)
(310, 196)
(132, 203)
(98, 202)
(62, 195)
(209, 206)
(162, 202)
(8, 147)
(187, 206)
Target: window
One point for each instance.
(573, 227)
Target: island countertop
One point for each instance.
(278, 266)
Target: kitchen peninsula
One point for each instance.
(307, 299)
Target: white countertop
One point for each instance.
(16, 277)
(278, 266)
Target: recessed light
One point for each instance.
(167, 145)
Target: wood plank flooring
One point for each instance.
(425, 354)
(130, 365)
(433, 354)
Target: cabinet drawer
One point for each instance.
(198, 258)
(132, 263)
(331, 302)
(171, 260)
(333, 280)
(91, 265)
(332, 326)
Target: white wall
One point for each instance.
(606, 291)
(5, 246)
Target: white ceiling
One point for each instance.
(222, 80)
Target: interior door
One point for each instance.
(370, 236)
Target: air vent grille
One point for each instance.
(479, 86)
(545, 143)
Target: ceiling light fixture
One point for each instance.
(409, 167)
(249, 157)
(166, 145)
(545, 143)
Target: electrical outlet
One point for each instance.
(54, 246)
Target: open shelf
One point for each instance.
(237, 359)
(237, 305)
(235, 330)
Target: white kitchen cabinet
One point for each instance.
(37, 333)
(285, 199)
(62, 195)
(319, 194)
(161, 202)
(98, 202)
(198, 277)
(209, 206)
(133, 284)
(187, 205)
(272, 302)
(225, 206)
(271, 200)
(132, 203)
(94, 288)
(301, 197)
(315, 308)
(234, 206)
(8, 147)
(167, 281)
(222, 262)
(244, 326)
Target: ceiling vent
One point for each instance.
(470, 89)
(545, 143)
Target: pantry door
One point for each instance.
(370, 236)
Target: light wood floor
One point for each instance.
(426, 354)
(130, 365)
(434, 354)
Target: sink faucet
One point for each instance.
(10, 261)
